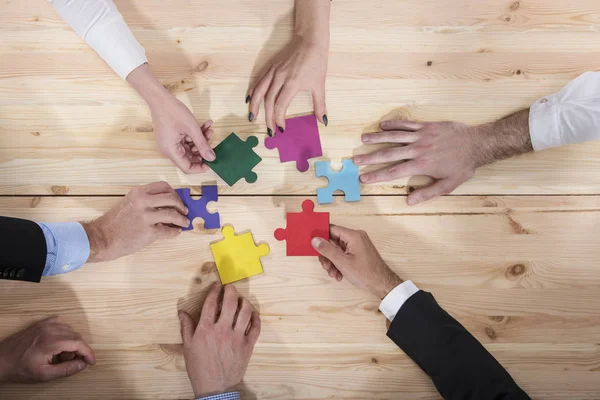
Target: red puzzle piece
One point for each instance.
(301, 228)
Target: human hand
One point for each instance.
(179, 137)
(351, 254)
(445, 151)
(145, 214)
(43, 352)
(218, 349)
(177, 133)
(302, 66)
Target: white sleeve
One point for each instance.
(101, 25)
(390, 305)
(569, 116)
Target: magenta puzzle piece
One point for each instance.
(299, 142)
(197, 208)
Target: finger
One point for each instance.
(328, 250)
(166, 232)
(438, 188)
(197, 136)
(397, 171)
(325, 263)
(206, 125)
(170, 199)
(391, 154)
(211, 305)
(208, 134)
(259, 93)
(339, 276)
(167, 216)
(400, 125)
(254, 331)
(244, 316)
(230, 305)
(337, 232)
(178, 157)
(319, 105)
(62, 370)
(272, 94)
(390, 137)
(332, 272)
(66, 356)
(76, 346)
(188, 327)
(283, 103)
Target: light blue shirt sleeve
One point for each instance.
(68, 247)
(222, 396)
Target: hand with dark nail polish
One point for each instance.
(250, 117)
(301, 66)
(247, 99)
(270, 132)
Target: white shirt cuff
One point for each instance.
(569, 116)
(68, 247)
(391, 304)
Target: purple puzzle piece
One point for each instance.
(299, 142)
(197, 208)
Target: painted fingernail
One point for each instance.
(280, 128)
(248, 99)
(325, 120)
(250, 116)
(269, 132)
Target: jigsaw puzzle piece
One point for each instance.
(197, 208)
(235, 159)
(237, 256)
(299, 142)
(301, 228)
(345, 180)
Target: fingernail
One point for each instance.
(250, 116)
(211, 156)
(316, 242)
(280, 128)
(186, 210)
(248, 99)
(383, 123)
(269, 132)
(81, 366)
(366, 138)
(180, 315)
(410, 201)
(363, 178)
(357, 160)
(325, 120)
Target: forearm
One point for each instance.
(502, 139)
(101, 25)
(143, 80)
(312, 21)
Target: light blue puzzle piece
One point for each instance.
(345, 180)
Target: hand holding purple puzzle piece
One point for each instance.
(197, 208)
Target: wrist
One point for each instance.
(148, 86)
(388, 285)
(98, 241)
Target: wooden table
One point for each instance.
(513, 254)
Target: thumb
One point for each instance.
(200, 141)
(64, 369)
(187, 327)
(328, 250)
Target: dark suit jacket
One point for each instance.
(459, 366)
(22, 250)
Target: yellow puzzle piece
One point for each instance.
(236, 256)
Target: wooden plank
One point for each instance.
(519, 272)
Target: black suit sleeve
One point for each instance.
(459, 366)
(22, 250)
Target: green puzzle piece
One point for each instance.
(235, 159)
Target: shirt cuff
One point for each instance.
(68, 247)
(222, 396)
(392, 303)
(543, 124)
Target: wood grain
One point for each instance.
(512, 254)
(519, 272)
